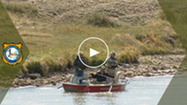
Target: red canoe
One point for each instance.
(69, 87)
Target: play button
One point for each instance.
(95, 51)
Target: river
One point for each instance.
(140, 91)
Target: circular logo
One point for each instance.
(96, 50)
(12, 54)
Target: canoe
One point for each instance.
(71, 87)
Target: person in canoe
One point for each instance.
(79, 69)
(112, 64)
(102, 76)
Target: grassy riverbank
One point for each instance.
(54, 30)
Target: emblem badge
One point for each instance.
(12, 53)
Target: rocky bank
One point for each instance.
(156, 65)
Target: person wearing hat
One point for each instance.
(101, 76)
(79, 67)
(112, 63)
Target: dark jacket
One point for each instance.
(101, 78)
(78, 64)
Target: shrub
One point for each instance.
(24, 70)
(101, 20)
(140, 37)
(50, 64)
(20, 8)
(35, 67)
(67, 59)
(153, 50)
(128, 55)
(65, 63)
(43, 66)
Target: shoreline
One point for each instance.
(59, 84)
(148, 66)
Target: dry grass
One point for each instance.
(63, 41)
(102, 20)
(55, 45)
(20, 8)
(128, 55)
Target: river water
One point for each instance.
(140, 91)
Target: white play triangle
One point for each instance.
(93, 52)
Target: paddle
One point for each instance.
(113, 81)
(117, 76)
(111, 87)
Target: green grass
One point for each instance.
(129, 42)
(45, 65)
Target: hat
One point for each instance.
(80, 53)
(102, 67)
(113, 53)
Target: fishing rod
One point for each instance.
(123, 64)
